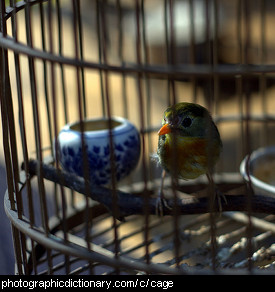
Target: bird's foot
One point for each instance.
(161, 204)
(219, 196)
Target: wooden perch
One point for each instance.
(129, 204)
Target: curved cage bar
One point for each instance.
(70, 62)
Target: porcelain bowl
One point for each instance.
(96, 134)
(261, 170)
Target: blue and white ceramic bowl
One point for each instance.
(126, 142)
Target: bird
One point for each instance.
(189, 144)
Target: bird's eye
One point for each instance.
(186, 122)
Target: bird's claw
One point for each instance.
(161, 204)
(219, 196)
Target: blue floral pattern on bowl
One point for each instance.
(126, 152)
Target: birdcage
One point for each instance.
(70, 66)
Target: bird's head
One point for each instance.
(188, 120)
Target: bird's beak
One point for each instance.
(165, 129)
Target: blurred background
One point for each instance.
(135, 36)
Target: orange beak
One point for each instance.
(165, 129)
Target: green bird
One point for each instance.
(189, 142)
